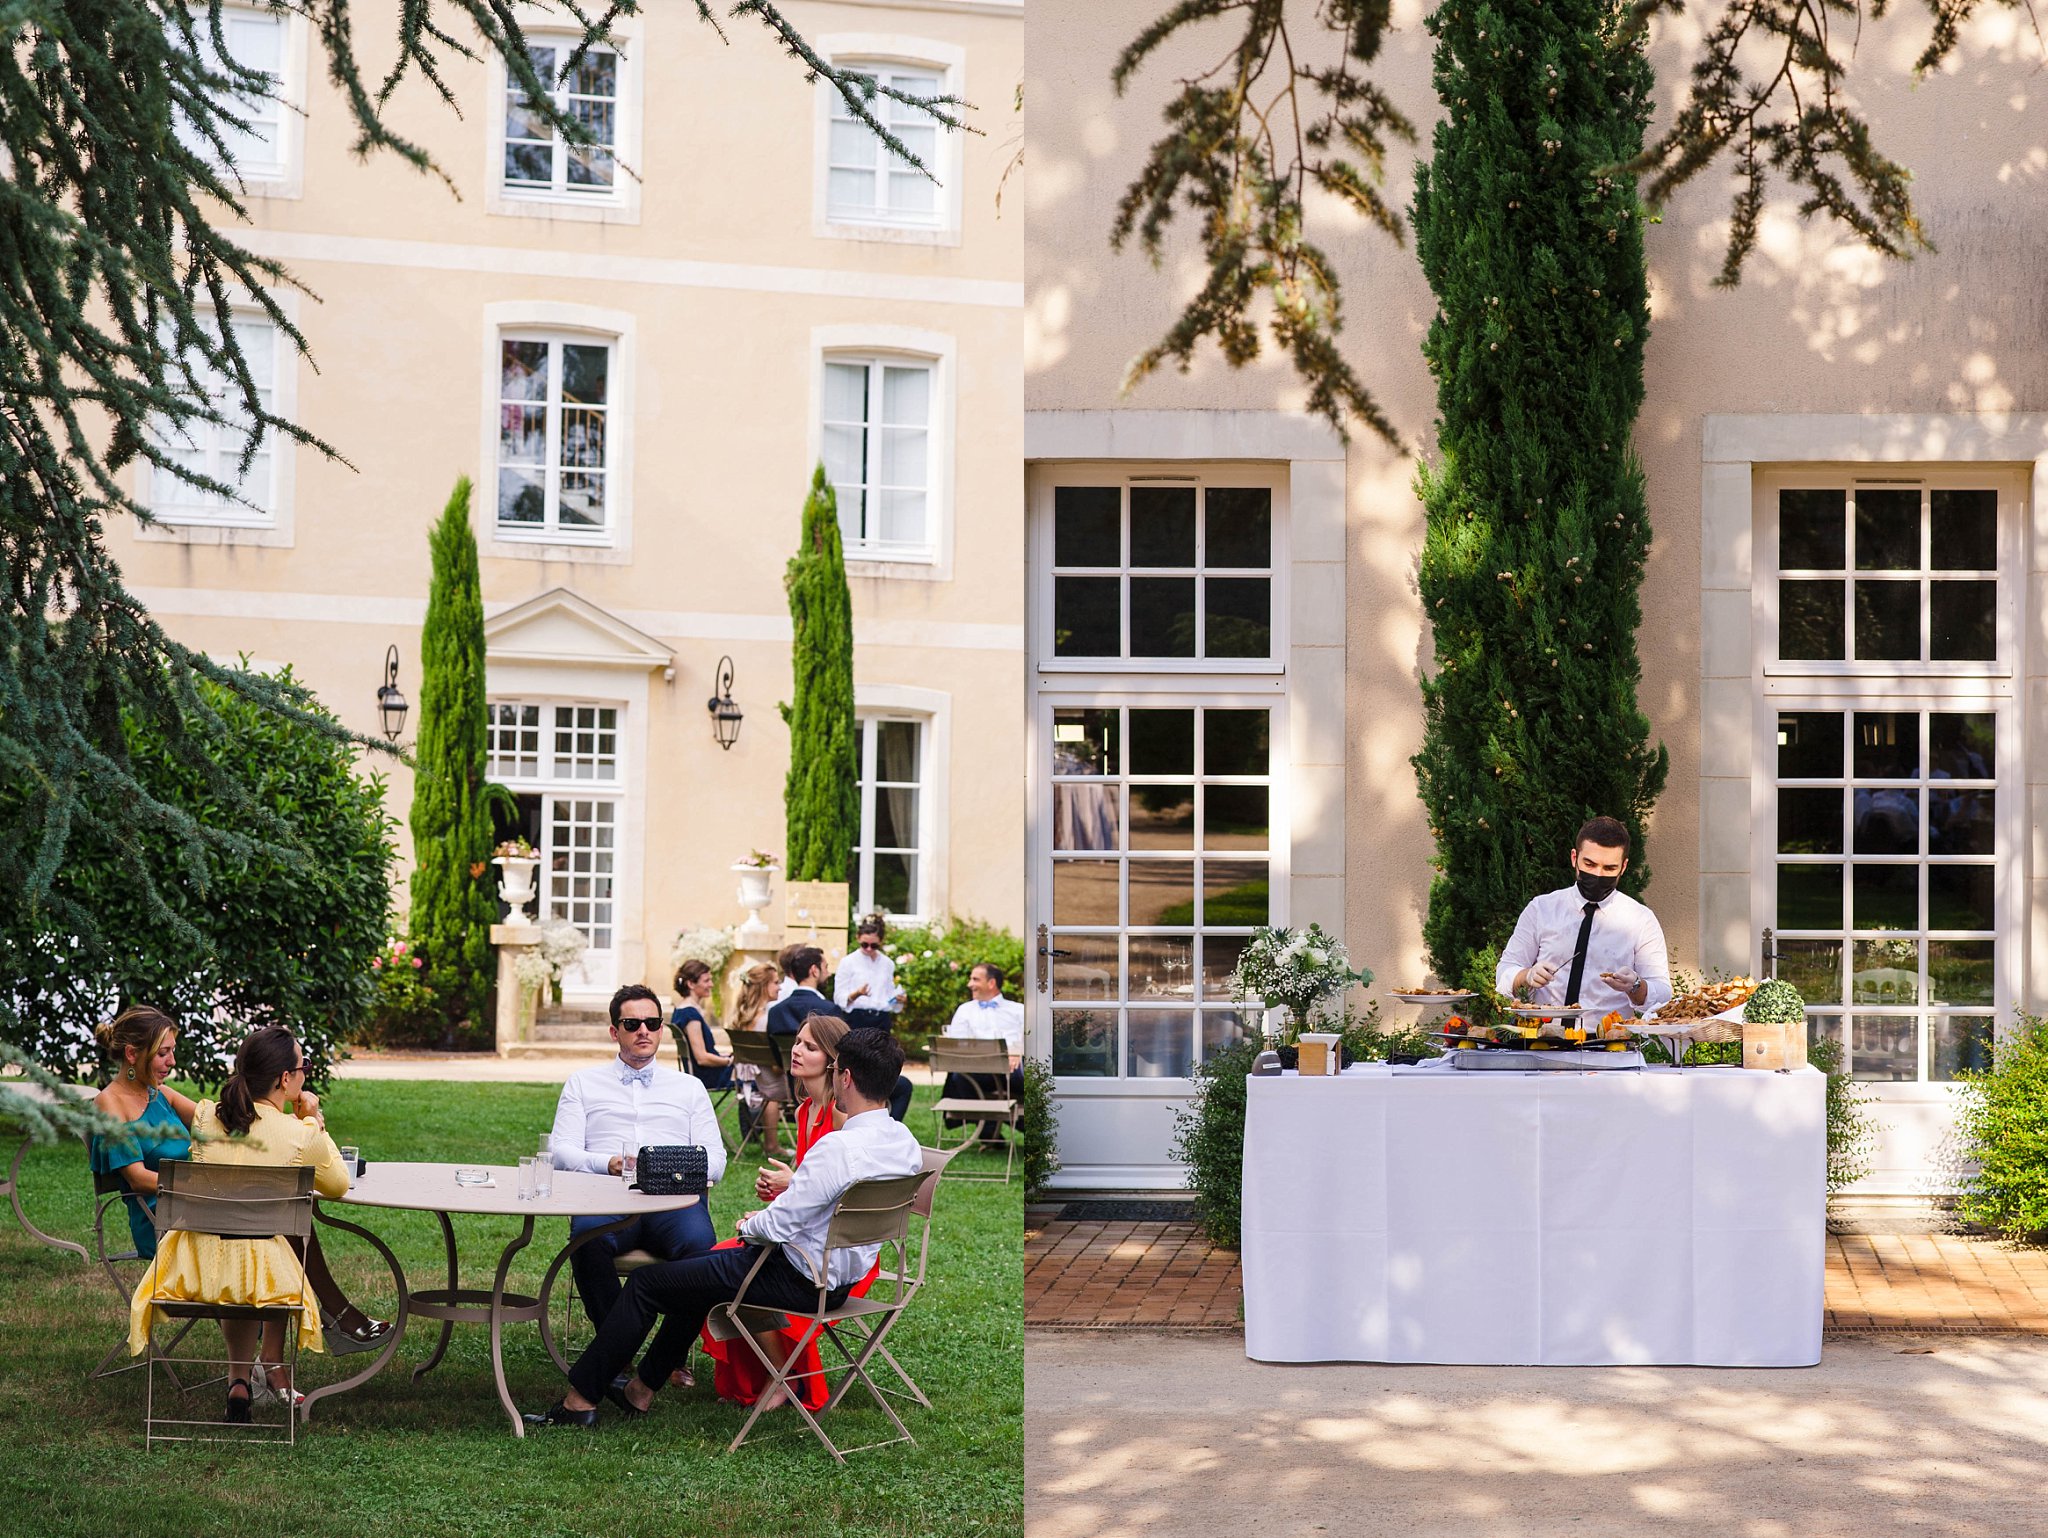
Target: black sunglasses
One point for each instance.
(641, 1025)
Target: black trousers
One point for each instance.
(964, 1086)
(681, 1293)
(871, 1020)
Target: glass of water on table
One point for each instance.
(543, 1173)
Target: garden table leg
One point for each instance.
(498, 1323)
(454, 1278)
(547, 1286)
(14, 1195)
(383, 1358)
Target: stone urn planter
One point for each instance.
(756, 890)
(515, 884)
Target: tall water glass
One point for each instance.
(526, 1177)
(543, 1174)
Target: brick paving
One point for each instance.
(1088, 1275)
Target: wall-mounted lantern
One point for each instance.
(390, 702)
(725, 715)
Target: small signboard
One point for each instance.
(824, 907)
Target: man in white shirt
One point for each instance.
(1589, 943)
(871, 1146)
(865, 984)
(628, 1104)
(988, 1016)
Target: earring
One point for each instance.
(131, 1073)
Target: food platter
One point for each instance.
(1431, 996)
(1552, 1011)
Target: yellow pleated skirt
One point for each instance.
(191, 1268)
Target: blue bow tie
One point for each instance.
(644, 1075)
(988, 1003)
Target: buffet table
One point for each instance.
(1431, 1215)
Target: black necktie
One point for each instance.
(1571, 987)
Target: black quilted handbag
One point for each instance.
(672, 1169)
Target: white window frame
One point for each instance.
(863, 874)
(561, 323)
(240, 525)
(620, 203)
(933, 561)
(860, 51)
(287, 179)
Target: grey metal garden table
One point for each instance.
(432, 1188)
(11, 1187)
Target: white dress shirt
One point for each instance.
(612, 1110)
(871, 1146)
(879, 975)
(999, 1019)
(1626, 937)
(784, 989)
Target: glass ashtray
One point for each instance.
(474, 1177)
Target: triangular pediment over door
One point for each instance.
(562, 627)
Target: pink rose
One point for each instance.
(377, 963)
(416, 961)
(398, 946)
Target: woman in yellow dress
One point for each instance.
(265, 1115)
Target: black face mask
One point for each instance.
(1596, 888)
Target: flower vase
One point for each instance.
(756, 888)
(515, 885)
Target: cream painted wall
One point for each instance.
(1817, 327)
(722, 286)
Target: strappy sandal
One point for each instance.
(342, 1338)
(238, 1409)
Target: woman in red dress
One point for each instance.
(738, 1375)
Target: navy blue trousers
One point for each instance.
(671, 1235)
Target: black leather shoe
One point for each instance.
(618, 1397)
(559, 1414)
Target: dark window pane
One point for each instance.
(1962, 746)
(1163, 741)
(1962, 621)
(1814, 967)
(1809, 822)
(1163, 817)
(1887, 622)
(1162, 892)
(1962, 822)
(1886, 1048)
(1161, 967)
(1239, 528)
(1162, 616)
(1810, 745)
(1809, 897)
(1084, 817)
(1959, 897)
(1956, 1043)
(1887, 821)
(1083, 742)
(1084, 892)
(1161, 1043)
(1887, 745)
(1961, 971)
(896, 820)
(1233, 893)
(585, 374)
(1085, 526)
(1964, 532)
(1162, 525)
(1811, 528)
(1084, 1043)
(1236, 817)
(1886, 972)
(1084, 617)
(1887, 530)
(1239, 622)
(895, 882)
(1823, 1028)
(1810, 621)
(1886, 896)
(1220, 955)
(1235, 742)
(1222, 1029)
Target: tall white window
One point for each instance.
(214, 449)
(259, 146)
(561, 761)
(879, 453)
(888, 861)
(554, 444)
(866, 181)
(538, 160)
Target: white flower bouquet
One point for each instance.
(1303, 969)
(713, 947)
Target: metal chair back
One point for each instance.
(235, 1201)
(874, 1212)
(759, 1049)
(969, 1055)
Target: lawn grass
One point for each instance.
(437, 1457)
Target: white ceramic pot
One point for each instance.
(756, 889)
(515, 884)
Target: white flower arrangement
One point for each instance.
(561, 943)
(713, 947)
(1302, 969)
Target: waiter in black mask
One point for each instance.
(1589, 943)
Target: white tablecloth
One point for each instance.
(1562, 1219)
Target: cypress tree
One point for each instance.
(1537, 524)
(821, 799)
(452, 904)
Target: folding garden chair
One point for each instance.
(870, 1212)
(980, 1061)
(231, 1201)
(110, 1192)
(764, 1052)
(686, 1060)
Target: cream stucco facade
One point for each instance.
(1828, 365)
(678, 332)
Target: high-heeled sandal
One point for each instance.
(342, 1338)
(238, 1409)
(267, 1392)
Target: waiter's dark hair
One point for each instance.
(874, 1058)
(1607, 832)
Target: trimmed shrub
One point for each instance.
(2002, 1129)
(1038, 1124)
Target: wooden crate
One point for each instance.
(1774, 1046)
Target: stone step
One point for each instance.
(572, 1014)
(595, 1033)
(583, 1050)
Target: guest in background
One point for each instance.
(865, 984)
(785, 959)
(805, 967)
(988, 1016)
(693, 992)
(761, 1093)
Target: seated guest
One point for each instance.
(865, 984)
(142, 1044)
(265, 1116)
(617, 1109)
(805, 966)
(693, 988)
(785, 961)
(681, 1293)
(763, 1092)
(988, 1016)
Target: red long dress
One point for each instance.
(737, 1374)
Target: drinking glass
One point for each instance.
(543, 1174)
(350, 1158)
(526, 1177)
(627, 1160)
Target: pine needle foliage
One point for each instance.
(452, 902)
(119, 276)
(821, 798)
(1536, 520)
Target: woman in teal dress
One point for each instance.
(142, 1044)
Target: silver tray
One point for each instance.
(1553, 1011)
(1426, 999)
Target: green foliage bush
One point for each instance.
(2002, 1129)
(261, 939)
(1038, 1124)
(932, 964)
(404, 1011)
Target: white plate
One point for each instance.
(1552, 1011)
(1681, 1027)
(1432, 998)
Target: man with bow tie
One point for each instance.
(988, 1016)
(617, 1109)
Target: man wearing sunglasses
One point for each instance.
(631, 1103)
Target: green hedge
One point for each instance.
(2002, 1128)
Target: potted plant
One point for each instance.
(756, 871)
(1300, 970)
(516, 862)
